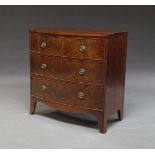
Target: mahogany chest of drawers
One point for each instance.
(79, 71)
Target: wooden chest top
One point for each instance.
(76, 32)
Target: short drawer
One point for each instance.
(68, 93)
(44, 44)
(87, 48)
(68, 69)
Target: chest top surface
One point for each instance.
(76, 32)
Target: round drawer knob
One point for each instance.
(43, 88)
(81, 71)
(82, 48)
(81, 95)
(43, 66)
(43, 44)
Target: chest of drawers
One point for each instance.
(79, 71)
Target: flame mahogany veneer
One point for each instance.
(76, 70)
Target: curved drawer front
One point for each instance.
(45, 44)
(87, 48)
(68, 69)
(67, 93)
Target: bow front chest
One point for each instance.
(79, 71)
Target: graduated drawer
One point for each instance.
(84, 47)
(68, 69)
(45, 44)
(69, 93)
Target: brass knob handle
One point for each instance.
(82, 48)
(43, 66)
(43, 44)
(81, 71)
(43, 88)
(81, 95)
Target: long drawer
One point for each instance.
(68, 69)
(69, 93)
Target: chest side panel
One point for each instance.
(115, 73)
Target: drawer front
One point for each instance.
(67, 93)
(44, 44)
(84, 48)
(68, 69)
